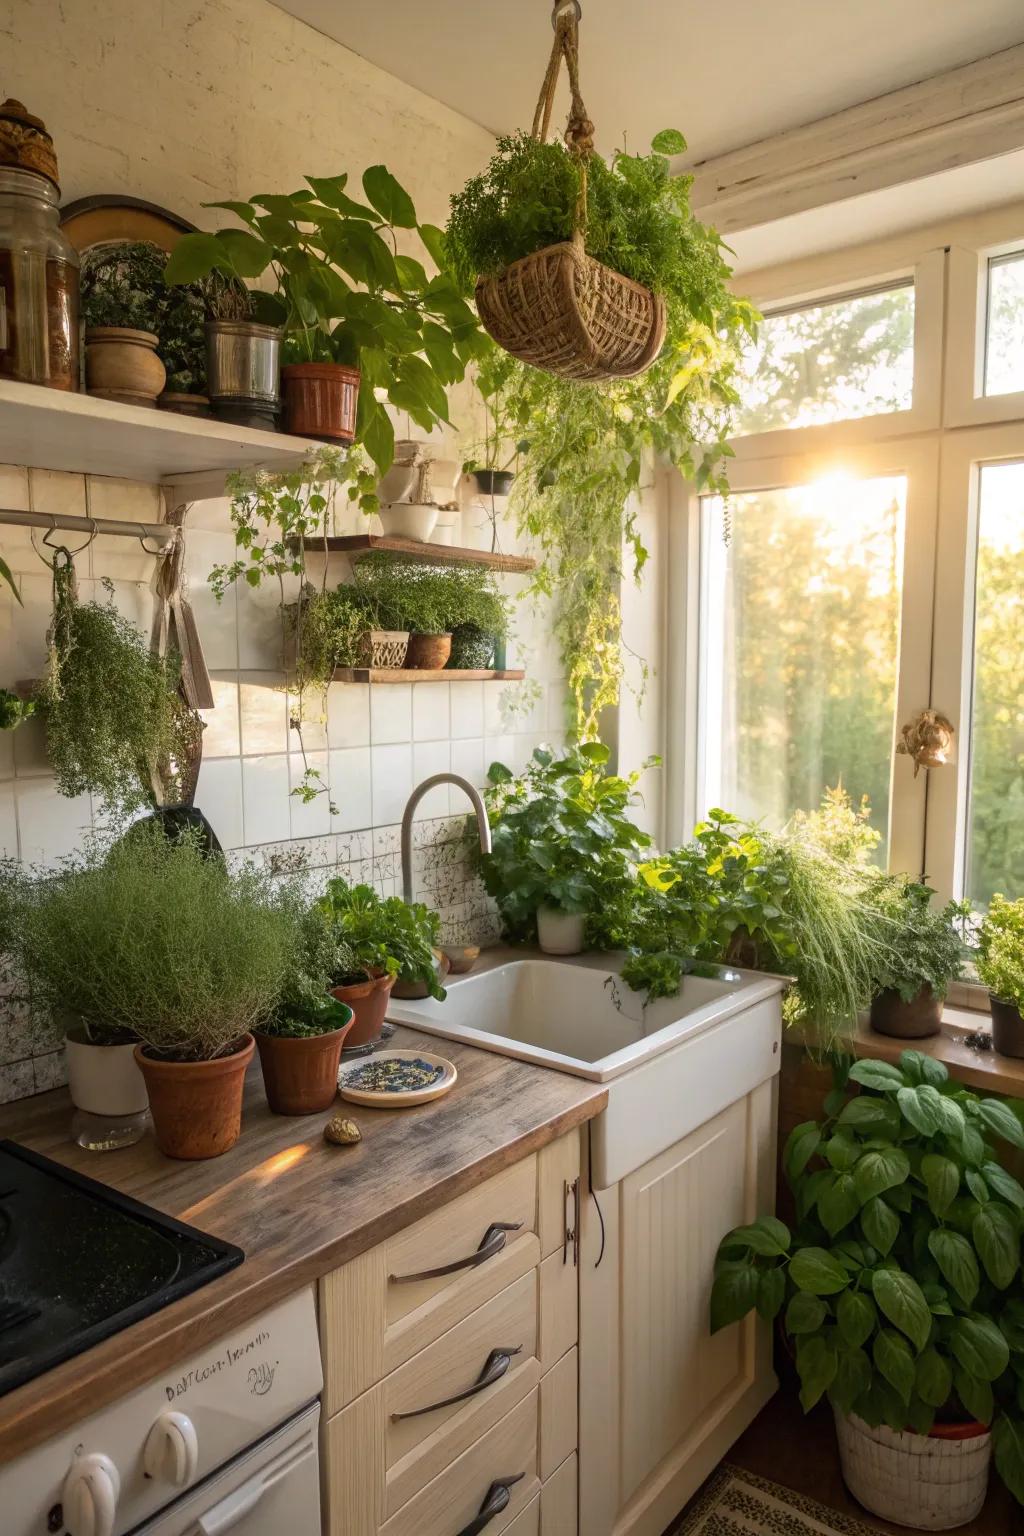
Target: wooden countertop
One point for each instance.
(296, 1206)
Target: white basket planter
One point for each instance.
(922, 1481)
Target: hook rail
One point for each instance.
(164, 533)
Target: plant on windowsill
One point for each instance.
(900, 1288)
(383, 940)
(563, 844)
(1000, 963)
(356, 312)
(920, 951)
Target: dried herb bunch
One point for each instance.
(115, 726)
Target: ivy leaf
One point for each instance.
(805, 1313)
(815, 1270)
(856, 1316)
(951, 1116)
(852, 1378)
(862, 1113)
(733, 1294)
(955, 1258)
(879, 1075)
(816, 1363)
(972, 1145)
(1008, 1448)
(914, 1108)
(801, 1145)
(933, 1377)
(878, 1171)
(668, 142)
(1003, 1184)
(390, 199)
(892, 1357)
(841, 1151)
(880, 1224)
(977, 1186)
(975, 1394)
(771, 1292)
(1001, 1120)
(766, 1236)
(900, 1297)
(838, 1203)
(998, 1243)
(942, 1181)
(979, 1347)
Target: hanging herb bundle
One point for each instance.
(115, 724)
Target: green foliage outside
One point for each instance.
(149, 940)
(901, 1286)
(346, 294)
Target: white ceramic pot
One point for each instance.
(924, 1481)
(408, 520)
(104, 1079)
(560, 933)
(444, 533)
(397, 484)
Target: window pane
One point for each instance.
(799, 640)
(845, 358)
(995, 841)
(1004, 348)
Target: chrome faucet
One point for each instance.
(483, 825)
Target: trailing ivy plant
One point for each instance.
(116, 726)
(900, 1286)
(586, 448)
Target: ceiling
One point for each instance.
(727, 74)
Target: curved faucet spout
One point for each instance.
(475, 799)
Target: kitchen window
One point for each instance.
(869, 565)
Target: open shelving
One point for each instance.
(425, 675)
(415, 549)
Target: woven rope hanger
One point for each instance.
(579, 133)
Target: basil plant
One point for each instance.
(900, 1288)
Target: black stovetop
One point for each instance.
(79, 1261)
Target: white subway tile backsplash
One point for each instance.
(13, 492)
(219, 797)
(348, 714)
(49, 825)
(391, 713)
(221, 734)
(468, 761)
(428, 758)
(51, 490)
(263, 712)
(8, 821)
(265, 804)
(391, 776)
(431, 712)
(131, 500)
(349, 773)
(467, 709)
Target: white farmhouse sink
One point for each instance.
(669, 1066)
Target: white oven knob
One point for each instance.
(172, 1449)
(90, 1495)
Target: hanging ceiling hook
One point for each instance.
(560, 8)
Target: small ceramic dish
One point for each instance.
(418, 989)
(461, 957)
(396, 1079)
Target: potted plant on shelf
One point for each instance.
(407, 597)
(1000, 963)
(182, 324)
(353, 309)
(242, 333)
(493, 467)
(478, 615)
(383, 941)
(919, 952)
(120, 308)
(300, 1044)
(562, 839)
(900, 1289)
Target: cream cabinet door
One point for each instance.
(660, 1399)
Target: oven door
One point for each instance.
(269, 1490)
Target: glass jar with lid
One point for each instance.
(39, 332)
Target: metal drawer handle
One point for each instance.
(493, 1242)
(495, 1367)
(497, 1499)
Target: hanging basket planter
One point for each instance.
(559, 309)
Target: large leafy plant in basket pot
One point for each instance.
(900, 1288)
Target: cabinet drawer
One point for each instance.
(528, 1523)
(559, 1497)
(388, 1304)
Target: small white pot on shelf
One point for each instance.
(560, 933)
(408, 520)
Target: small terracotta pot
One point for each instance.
(428, 653)
(1007, 1028)
(196, 1105)
(121, 364)
(320, 400)
(369, 1002)
(922, 1016)
(419, 989)
(301, 1075)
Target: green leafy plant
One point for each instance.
(14, 711)
(116, 726)
(7, 577)
(427, 599)
(1000, 955)
(382, 935)
(921, 945)
(498, 449)
(561, 835)
(901, 1284)
(149, 940)
(122, 284)
(345, 294)
(839, 827)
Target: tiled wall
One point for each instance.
(372, 744)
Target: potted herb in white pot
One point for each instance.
(899, 1291)
(562, 839)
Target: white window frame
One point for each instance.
(966, 403)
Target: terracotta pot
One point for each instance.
(1007, 1028)
(196, 1105)
(369, 1002)
(419, 989)
(428, 653)
(301, 1075)
(121, 364)
(320, 400)
(922, 1016)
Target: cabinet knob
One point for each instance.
(172, 1449)
(91, 1491)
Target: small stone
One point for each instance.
(342, 1131)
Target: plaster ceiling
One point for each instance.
(726, 74)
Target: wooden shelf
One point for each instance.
(435, 554)
(424, 675)
(48, 429)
